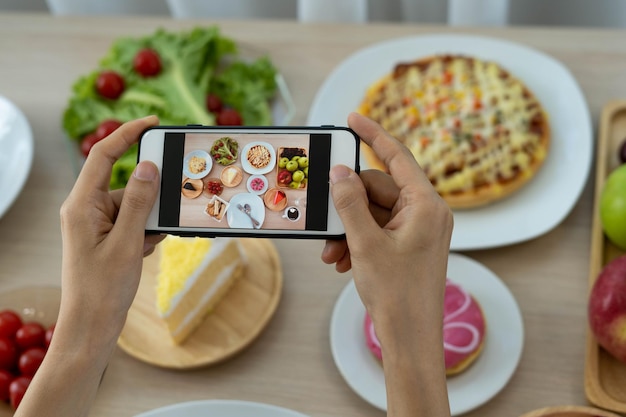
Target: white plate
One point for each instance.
(16, 153)
(221, 408)
(549, 197)
(200, 154)
(252, 170)
(253, 177)
(479, 383)
(239, 220)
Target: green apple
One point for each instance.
(291, 166)
(306, 171)
(282, 162)
(297, 176)
(613, 207)
(294, 184)
(303, 162)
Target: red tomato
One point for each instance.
(5, 380)
(213, 103)
(229, 117)
(10, 321)
(8, 353)
(110, 84)
(29, 361)
(17, 389)
(31, 334)
(87, 143)
(49, 333)
(147, 62)
(107, 127)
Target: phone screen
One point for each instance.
(272, 181)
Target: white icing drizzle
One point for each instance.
(449, 323)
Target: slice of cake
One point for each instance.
(194, 275)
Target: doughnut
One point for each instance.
(463, 330)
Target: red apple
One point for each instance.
(284, 177)
(607, 308)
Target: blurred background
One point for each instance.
(597, 13)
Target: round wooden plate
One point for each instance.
(237, 320)
(570, 411)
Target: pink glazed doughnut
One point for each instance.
(463, 330)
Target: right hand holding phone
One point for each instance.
(398, 232)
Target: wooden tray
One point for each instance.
(569, 411)
(234, 324)
(605, 376)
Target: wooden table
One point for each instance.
(291, 364)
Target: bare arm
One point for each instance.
(398, 234)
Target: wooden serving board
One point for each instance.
(237, 320)
(605, 376)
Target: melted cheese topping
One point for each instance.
(468, 122)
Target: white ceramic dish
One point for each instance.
(479, 383)
(200, 154)
(253, 170)
(16, 153)
(221, 408)
(239, 220)
(549, 197)
(253, 178)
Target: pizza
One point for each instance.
(476, 130)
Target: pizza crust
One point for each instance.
(489, 191)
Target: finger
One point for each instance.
(350, 199)
(139, 196)
(397, 158)
(381, 188)
(150, 242)
(334, 250)
(96, 171)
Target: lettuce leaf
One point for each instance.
(193, 63)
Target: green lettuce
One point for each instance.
(194, 63)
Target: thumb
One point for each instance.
(350, 199)
(137, 201)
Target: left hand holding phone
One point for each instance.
(103, 247)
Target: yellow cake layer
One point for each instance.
(195, 274)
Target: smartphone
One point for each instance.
(247, 181)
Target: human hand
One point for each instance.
(104, 231)
(398, 232)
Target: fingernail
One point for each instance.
(145, 171)
(338, 173)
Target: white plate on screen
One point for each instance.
(16, 153)
(221, 408)
(479, 383)
(546, 200)
(253, 170)
(239, 220)
(200, 154)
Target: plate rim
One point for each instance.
(349, 290)
(22, 175)
(260, 218)
(458, 42)
(252, 405)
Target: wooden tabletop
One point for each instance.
(291, 365)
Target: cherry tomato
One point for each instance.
(10, 321)
(110, 84)
(229, 117)
(8, 353)
(31, 334)
(147, 62)
(29, 361)
(87, 143)
(17, 389)
(213, 103)
(5, 380)
(107, 127)
(49, 333)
